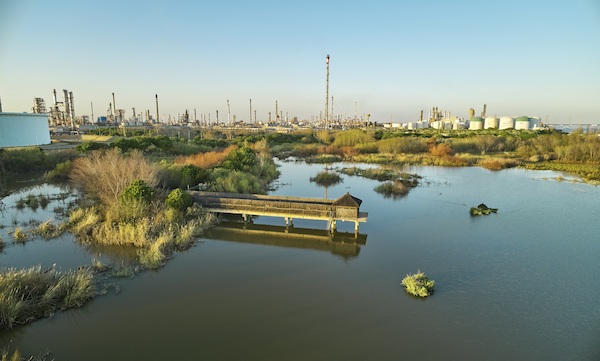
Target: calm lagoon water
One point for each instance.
(516, 285)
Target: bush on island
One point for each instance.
(418, 285)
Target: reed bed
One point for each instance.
(33, 293)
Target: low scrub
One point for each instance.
(33, 293)
(326, 179)
(418, 285)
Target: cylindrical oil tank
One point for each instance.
(535, 123)
(490, 123)
(522, 123)
(507, 123)
(23, 129)
(476, 123)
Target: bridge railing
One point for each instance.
(290, 208)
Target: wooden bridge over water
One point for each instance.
(344, 209)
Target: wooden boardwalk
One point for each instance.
(344, 209)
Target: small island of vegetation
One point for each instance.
(418, 285)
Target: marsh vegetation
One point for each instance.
(418, 285)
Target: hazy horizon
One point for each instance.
(391, 59)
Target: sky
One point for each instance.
(390, 59)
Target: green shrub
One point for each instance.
(90, 146)
(137, 191)
(418, 285)
(241, 159)
(178, 199)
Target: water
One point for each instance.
(517, 285)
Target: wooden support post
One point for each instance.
(333, 225)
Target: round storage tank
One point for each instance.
(507, 123)
(476, 123)
(23, 129)
(522, 123)
(535, 123)
(490, 123)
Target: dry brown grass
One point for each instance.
(206, 160)
(441, 150)
(497, 163)
(104, 174)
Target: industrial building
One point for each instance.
(23, 129)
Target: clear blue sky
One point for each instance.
(390, 58)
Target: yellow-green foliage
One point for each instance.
(497, 163)
(29, 294)
(83, 220)
(19, 235)
(418, 284)
(402, 145)
(49, 230)
(153, 256)
(135, 233)
(352, 137)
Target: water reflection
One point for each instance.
(344, 244)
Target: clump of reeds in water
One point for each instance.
(33, 293)
(392, 188)
(418, 285)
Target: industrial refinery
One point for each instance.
(19, 129)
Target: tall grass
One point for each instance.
(33, 293)
(206, 160)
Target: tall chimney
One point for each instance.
(72, 110)
(157, 118)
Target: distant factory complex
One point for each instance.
(26, 129)
(22, 129)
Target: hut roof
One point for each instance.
(347, 200)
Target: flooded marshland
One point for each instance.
(515, 285)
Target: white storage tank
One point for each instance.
(458, 125)
(23, 129)
(490, 123)
(506, 123)
(535, 123)
(476, 123)
(522, 123)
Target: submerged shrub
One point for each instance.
(19, 235)
(391, 188)
(418, 285)
(325, 179)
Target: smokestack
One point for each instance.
(66, 100)
(228, 113)
(327, 93)
(54, 97)
(72, 110)
(0, 105)
(157, 118)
